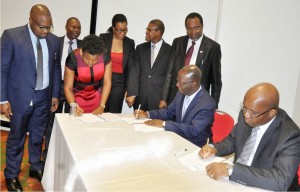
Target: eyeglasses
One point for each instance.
(151, 29)
(183, 83)
(43, 28)
(251, 113)
(196, 28)
(121, 30)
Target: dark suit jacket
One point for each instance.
(145, 82)
(277, 157)
(208, 60)
(197, 121)
(61, 44)
(18, 68)
(128, 51)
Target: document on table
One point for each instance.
(105, 117)
(138, 124)
(90, 118)
(194, 162)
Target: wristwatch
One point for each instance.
(164, 123)
(102, 105)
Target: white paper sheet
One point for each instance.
(194, 162)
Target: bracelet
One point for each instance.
(102, 105)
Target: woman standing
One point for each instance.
(121, 50)
(86, 69)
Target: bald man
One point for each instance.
(191, 113)
(266, 143)
(30, 88)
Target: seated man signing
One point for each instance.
(191, 113)
(265, 140)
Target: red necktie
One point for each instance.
(189, 54)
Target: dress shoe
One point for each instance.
(36, 174)
(13, 184)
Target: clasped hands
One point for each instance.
(140, 114)
(215, 170)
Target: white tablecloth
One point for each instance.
(114, 156)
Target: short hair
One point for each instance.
(194, 15)
(92, 44)
(193, 72)
(160, 25)
(72, 18)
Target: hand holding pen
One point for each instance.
(207, 151)
(137, 112)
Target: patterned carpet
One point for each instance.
(28, 183)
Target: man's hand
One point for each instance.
(54, 105)
(6, 110)
(155, 123)
(217, 170)
(130, 100)
(207, 151)
(140, 114)
(162, 104)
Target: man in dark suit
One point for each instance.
(265, 140)
(30, 88)
(205, 53)
(193, 109)
(67, 44)
(147, 77)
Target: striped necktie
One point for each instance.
(70, 47)
(152, 55)
(248, 148)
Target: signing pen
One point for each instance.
(137, 112)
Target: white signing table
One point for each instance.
(116, 156)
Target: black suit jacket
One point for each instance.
(128, 51)
(276, 159)
(61, 43)
(145, 82)
(208, 60)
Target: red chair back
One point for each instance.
(223, 123)
(299, 174)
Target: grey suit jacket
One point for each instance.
(277, 157)
(145, 82)
(208, 60)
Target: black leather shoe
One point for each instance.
(36, 174)
(13, 184)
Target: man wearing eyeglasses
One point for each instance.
(194, 49)
(191, 113)
(147, 77)
(265, 142)
(30, 88)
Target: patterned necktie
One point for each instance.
(248, 148)
(152, 55)
(189, 54)
(39, 68)
(70, 47)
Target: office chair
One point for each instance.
(223, 123)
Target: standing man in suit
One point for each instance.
(30, 88)
(147, 77)
(193, 109)
(265, 140)
(194, 49)
(67, 44)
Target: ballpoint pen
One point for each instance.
(137, 112)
